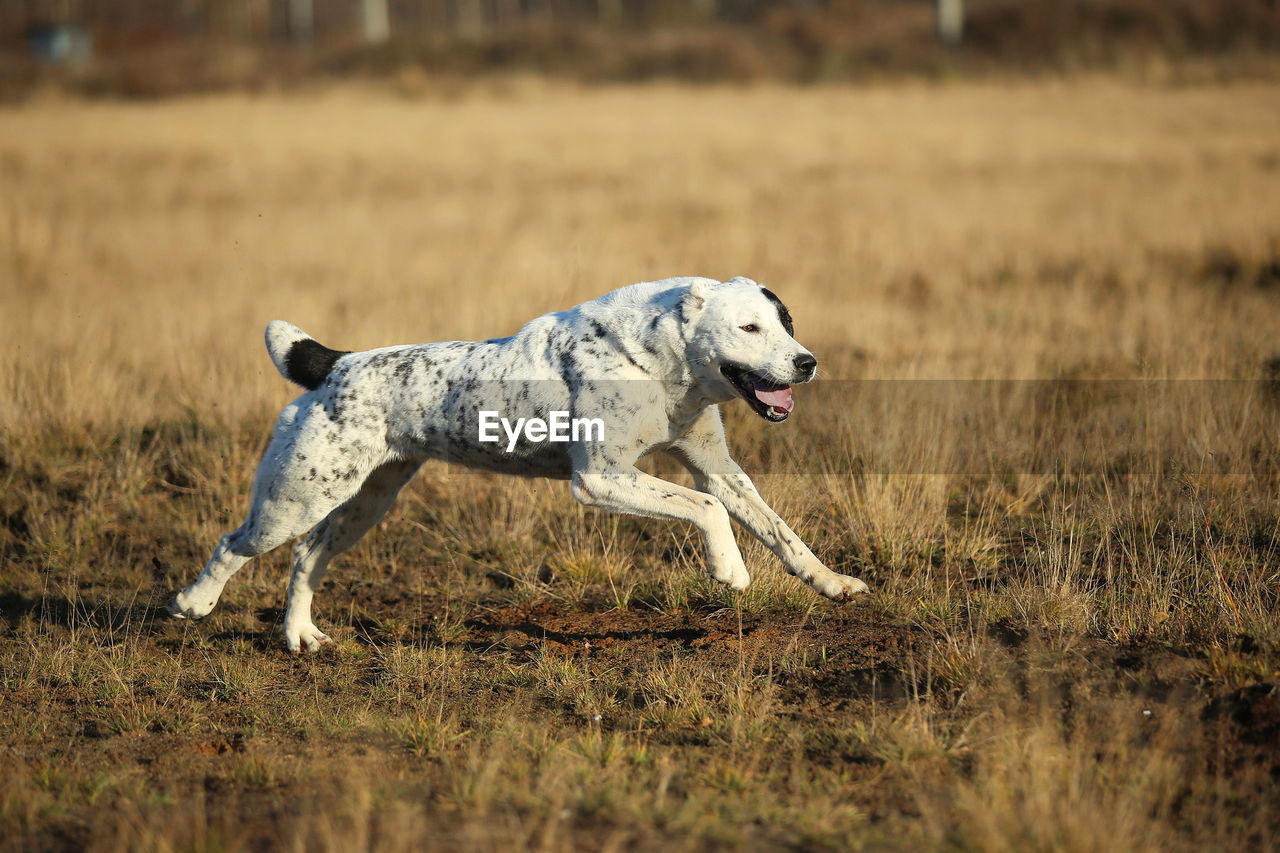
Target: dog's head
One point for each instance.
(739, 343)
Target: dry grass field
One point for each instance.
(1073, 643)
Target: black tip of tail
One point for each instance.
(309, 362)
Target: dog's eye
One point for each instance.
(750, 327)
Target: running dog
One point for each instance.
(649, 362)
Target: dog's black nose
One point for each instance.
(806, 364)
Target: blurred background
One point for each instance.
(149, 48)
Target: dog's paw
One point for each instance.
(839, 587)
(188, 606)
(309, 639)
(732, 573)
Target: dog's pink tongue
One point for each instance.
(780, 399)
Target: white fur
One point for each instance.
(645, 358)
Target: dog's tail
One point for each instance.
(298, 356)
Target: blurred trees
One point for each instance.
(154, 48)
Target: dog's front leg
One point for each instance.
(739, 496)
(705, 453)
(628, 490)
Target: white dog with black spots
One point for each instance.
(652, 361)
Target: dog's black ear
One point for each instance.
(783, 314)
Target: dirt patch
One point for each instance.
(1249, 720)
(846, 632)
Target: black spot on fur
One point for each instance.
(309, 362)
(783, 314)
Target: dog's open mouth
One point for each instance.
(770, 400)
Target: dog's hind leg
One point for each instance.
(293, 492)
(341, 529)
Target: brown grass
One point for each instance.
(1062, 657)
